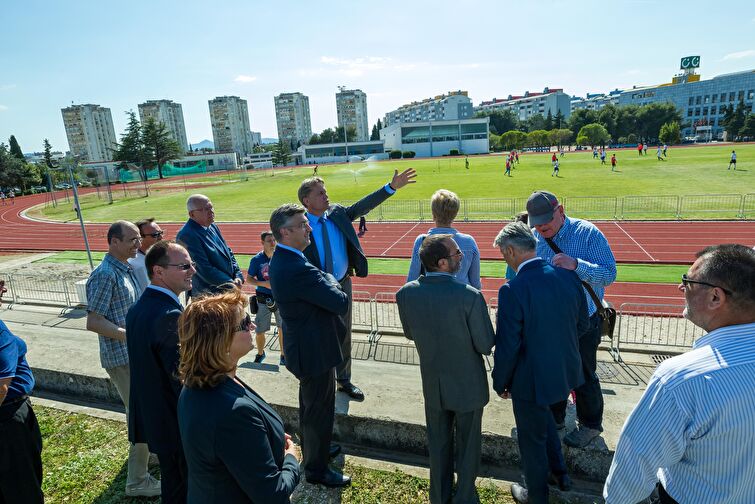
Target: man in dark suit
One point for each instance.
(335, 249)
(311, 304)
(216, 265)
(152, 341)
(541, 313)
(449, 322)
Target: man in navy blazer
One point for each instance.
(541, 313)
(152, 341)
(215, 263)
(311, 304)
(334, 248)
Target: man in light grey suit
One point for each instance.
(449, 323)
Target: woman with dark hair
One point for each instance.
(235, 445)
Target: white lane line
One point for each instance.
(397, 241)
(635, 242)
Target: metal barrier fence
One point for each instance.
(722, 206)
(29, 289)
(655, 325)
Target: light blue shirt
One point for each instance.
(584, 242)
(166, 291)
(337, 242)
(693, 428)
(469, 271)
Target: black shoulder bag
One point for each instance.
(607, 312)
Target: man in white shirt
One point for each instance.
(151, 233)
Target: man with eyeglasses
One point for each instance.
(151, 233)
(112, 289)
(449, 323)
(691, 435)
(216, 264)
(152, 341)
(577, 245)
(335, 248)
(311, 304)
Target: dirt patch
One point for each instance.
(59, 271)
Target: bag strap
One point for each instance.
(595, 299)
(421, 266)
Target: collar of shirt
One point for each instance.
(115, 263)
(566, 228)
(438, 273)
(442, 230)
(715, 337)
(165, 291)
(527, 261)
(295, 251)
(314, 220)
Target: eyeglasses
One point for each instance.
(301, 225)
(205, 209)
(182, 266)
(686, 281)
(156, 235)
(245, 324)
(455, 254)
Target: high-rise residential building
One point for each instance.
(595, 101)
(292, 116)
(529, 104)
(90, 132)
(445, 107)
(351, 105)
(229, 116)
(169, 113)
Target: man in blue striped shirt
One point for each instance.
(691, 435)
(584, 250)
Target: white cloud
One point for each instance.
(3, 107)
(740, 54)
(245, 79)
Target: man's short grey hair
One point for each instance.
(280, 217)
(195, 201)
(517, 235)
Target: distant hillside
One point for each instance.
(204, 144)
(269, 140)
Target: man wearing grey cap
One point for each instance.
(584, 250)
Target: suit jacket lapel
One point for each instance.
(213, 233)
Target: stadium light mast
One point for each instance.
(77, 208)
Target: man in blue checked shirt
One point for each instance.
(691, 435)
(584, 250)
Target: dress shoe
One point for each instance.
(259, 358)
(581, 437)
(519, 493)
(331, 479)
(562, 480)
(335, 450)
(352, 391)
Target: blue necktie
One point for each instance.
(328, 259)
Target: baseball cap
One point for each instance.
(540, 207)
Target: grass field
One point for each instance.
(648, 273)
(687, 171)
(84, 461)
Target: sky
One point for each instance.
(120, 54)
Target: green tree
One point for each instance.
(735, 121)
(726, 120)
(607, 116)
(593, 134)
(501, 121)
(548, 121)
(513, 139)
(560, 137)
(159, 145)
(538, 138)
(131, 149)
(559, 121)
(351, 134)
(670, 133)
(15, 149)
(11, 169)
(281, 154)
(582, 117)
(376, 131)
(748, 130)
(534, 123)
(651, 117)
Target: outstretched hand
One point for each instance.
(405, 177)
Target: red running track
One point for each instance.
(631, 242)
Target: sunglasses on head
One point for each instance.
(246, 323)
(157, 234)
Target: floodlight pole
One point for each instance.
(81, 217)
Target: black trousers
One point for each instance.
(343, 370)
(589, 395)
(20, 455)
(663, 497)
(317, 407)
(539, 447)
(174, 477)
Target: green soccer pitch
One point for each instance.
(686, 171)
